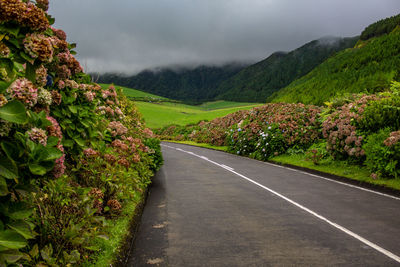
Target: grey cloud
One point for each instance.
(131, 35)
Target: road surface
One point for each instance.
(209, 208)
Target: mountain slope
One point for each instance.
(191, 85)
(258, 81)
(370, 66)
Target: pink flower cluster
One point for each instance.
(24, 91)
(90, 153)
(3, 100)
(393, 139)
(4, 50)
(68, 63)
(90, 95)
(38, 135)
(117, 128)
(340, 129)
(59, 33)
(41, 76)
(24, 13)
(39, 46)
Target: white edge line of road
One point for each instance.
(333, 181)
(337, 226)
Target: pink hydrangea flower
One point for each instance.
(24, 90)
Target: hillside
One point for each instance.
(370, 66)
(191, 85)
(258, 81)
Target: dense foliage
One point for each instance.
(359, 129)
(257, 82)
(368, 67)
(380, 27)
(71, 154)
(191, 85)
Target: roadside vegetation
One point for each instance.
(361, 131)
(75, 158)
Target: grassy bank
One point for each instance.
(162, 114)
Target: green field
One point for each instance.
(158, 115)
(133, 92)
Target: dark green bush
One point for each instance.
(381, 159)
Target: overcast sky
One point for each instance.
(132, 35)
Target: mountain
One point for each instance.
(257, 82)
(191, 85)
(369, 66)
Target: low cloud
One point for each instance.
(129, 36)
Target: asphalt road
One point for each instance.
(209, 208)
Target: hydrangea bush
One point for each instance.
(71, 153)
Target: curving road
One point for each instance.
(209, 208)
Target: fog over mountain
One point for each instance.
(129, 36)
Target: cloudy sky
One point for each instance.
(132, 35)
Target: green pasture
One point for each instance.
(158, 115)
(133, 92)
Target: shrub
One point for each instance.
(71, 153)
(383, 153)
(317, 152)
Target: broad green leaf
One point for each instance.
(37, 169)
(3, 187)
(12, 256)
(50, 153)
(73, 109)
(8, 169)
(12, 240)
(21, 214)
(68, 142)
(29, 60)
(52, 141)
(3, 86)
(13, 111)
(11, 150)
(22, 228)
(79, 141)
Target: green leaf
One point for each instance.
(4, 85)
(11, 239)
(37, 169)
(73, 109)
(13, 111)
(19, 212)
(34, 251)
(11, 150)
(11, 29)
(79, 141)
(29, 60)
(11, 256)
(68, 143)
(50, 153)
(3, 187)
(8, 169)
(22, 228)
(52, 141)
(46, 253)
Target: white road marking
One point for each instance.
(337, 226)
(334, 181)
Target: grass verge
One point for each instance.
(115, 247)
(339, 168)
